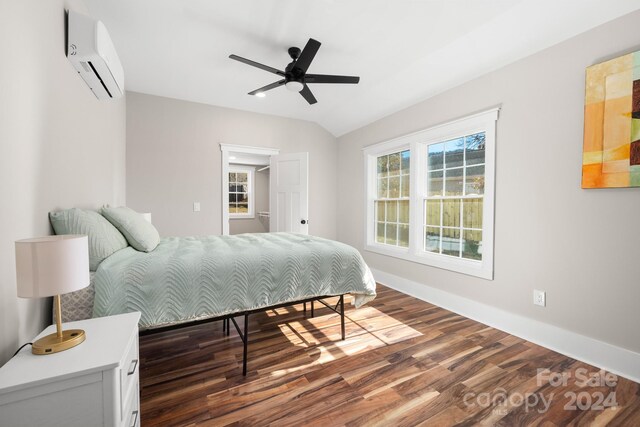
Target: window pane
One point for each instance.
(432, 212)
(392, 211)
(392, 232)
(451, 213)
(453, 182)
(382, 166)
(434, 184)
(394, 187)
(394, 164)
(475, 180)
(405, 186)
(232, 177)
(472, 213)
(242, 177)
(383, 188)
(403, 216)
(232, 197)
(380, 232)
(242, 197)
(454, 153)
(380, 211)
(435, 155)
(472, 248)
(432, 239)
(403, 236)
(475, 148)
(232, 208)
(451, 241)
(243, 208)
(405, 161)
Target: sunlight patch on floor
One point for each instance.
(322, 335)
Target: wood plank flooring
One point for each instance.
(405, 362)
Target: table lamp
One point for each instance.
(50, 266)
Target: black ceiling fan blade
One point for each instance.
(306, 94)
(307, 55)
(257, 65)
(325, 78)
(268, 87)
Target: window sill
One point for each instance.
(458, 265)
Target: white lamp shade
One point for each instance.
(52, 265)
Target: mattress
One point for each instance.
(192, 278)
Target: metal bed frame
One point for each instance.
(244, 334)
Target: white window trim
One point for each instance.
(251, 172)
(416, 143)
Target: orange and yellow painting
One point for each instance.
(611, 153)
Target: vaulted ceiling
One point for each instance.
(404, 50)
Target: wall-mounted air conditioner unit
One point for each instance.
(90, 50)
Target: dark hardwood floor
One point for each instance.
(405, 362)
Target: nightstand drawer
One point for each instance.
(132, 410)
(129, 376)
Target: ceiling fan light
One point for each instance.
(294, 86)
(261, 94)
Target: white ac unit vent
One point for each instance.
(91, 51)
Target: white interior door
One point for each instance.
(289, 193)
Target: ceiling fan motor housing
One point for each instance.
(294, 76)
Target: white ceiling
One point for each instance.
(404, 50)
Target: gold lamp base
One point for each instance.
(54, 343)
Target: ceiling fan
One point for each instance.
(295, 77)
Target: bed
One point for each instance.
(193, 279)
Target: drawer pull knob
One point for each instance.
(132, 367)
(134, 418)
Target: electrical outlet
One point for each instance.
(196, 206)
(540, 298)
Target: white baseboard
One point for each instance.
(617, 360)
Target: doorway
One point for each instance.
(245, 189)
(264, 191)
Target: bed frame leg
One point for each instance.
(312, 308)
(304, 309)
(342, 315)
(246, 344)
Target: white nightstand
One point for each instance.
(93, 384)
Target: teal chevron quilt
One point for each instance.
(192, 278)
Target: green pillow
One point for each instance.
(104, 238)
(139, 232)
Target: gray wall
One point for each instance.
(59, 147)
(581, 246)
(174, 159)
(261, 194)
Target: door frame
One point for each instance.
(231, 148)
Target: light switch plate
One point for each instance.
(196, 206)
(539, 298)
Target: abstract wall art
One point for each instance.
(611, 152)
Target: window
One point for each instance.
(430, 196)
(241, 192)
(453, 200)
(392, 199)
